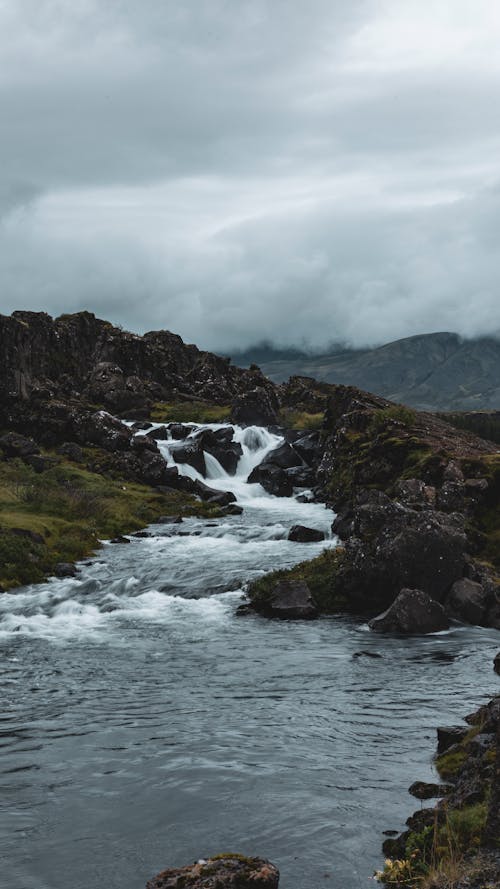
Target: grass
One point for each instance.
(61, 514)
(396, 413)
(190, 411)
(301, 420)
(319, 574)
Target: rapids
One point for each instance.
(143, 724)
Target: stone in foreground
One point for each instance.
(231, 870)
(413, 611)
(291, 600)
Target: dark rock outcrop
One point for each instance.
(221, 871)
(302, 534)
(258, 407)
(411, 612)
(220, 445)
(273, 479)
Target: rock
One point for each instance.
(160, 433)
(233, 871)
(142, 443)
(365, 653)
(65, 569)
(467, 601)
(221, 446)
(413, 611)
(212, 495)
(309, 448)
(40, 463)
(291, 600)
(425, 790)
(169, 520)
(191, 452)
(120, 539)
(244, 610)
(232, 509)
(101, 429)
(449, 735)
(301, 477)
(179, 431)
(496, 663)
(284, 456)
(302, 534)
(259, 407)
(273, 479)
(72, 451)
(141, 534)
(14, 445)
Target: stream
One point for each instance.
(143, 725)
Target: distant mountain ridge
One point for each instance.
(433, 371)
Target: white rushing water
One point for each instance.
(195, 570)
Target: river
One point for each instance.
(144, 725)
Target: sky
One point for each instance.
(247, 170)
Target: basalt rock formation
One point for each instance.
(418, 507)
(221, 871)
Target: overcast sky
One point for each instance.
(238, 170)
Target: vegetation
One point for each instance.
(301, 420)
(486, 424)
(190, 411)
(396, 413)
(61, 514)
(435, 855)
(319, 574)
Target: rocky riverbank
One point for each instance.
(418, 509)
(457, 843)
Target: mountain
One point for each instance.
(434, 371)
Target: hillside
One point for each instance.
(435, 371)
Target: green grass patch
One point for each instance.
(450, 763)
(320, 576)
(69, 509)
(396, 413)
(301, 420)
(190, 411)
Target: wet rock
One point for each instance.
(65, 569)
(160, 433)
(212, 495)
(284, 456)
(191, 453)
(233, 509)
(309, 448)
(301, 477)
(179, 431)
(449, 735)
(365, 653)
(142, 535)
(233, 871)
(142, 443)
(413, 611)
(302, 534)
(14, 445)
(120, 539)
(221, 446)
(244, 610)
(291, 600)
(426, 790)
(169, 520)
(467, 601)
(71, 451)
(273, 479)
(40, 463)
(496, 663)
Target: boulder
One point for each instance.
(65, 569)
(413, 611)
(233, 871)
(302, 534)
(212, 495)
(169, 520)
(160, 433)
(309, 448)
(291, 600)
(233, 509)
(258, 407)
(221, 446)
(179, 431)
(301, 476)
(449, 735)
(496, 663)
(273, 479)
(101, 429)
(284, 456)
(467, 601)
(191, 452)
(426, 790)
(14, 445)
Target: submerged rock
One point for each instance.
(413, 611)
(65, 569)
(231, 870)
(302, 534)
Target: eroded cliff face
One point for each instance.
(82, 357)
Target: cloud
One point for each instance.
(238, 172)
